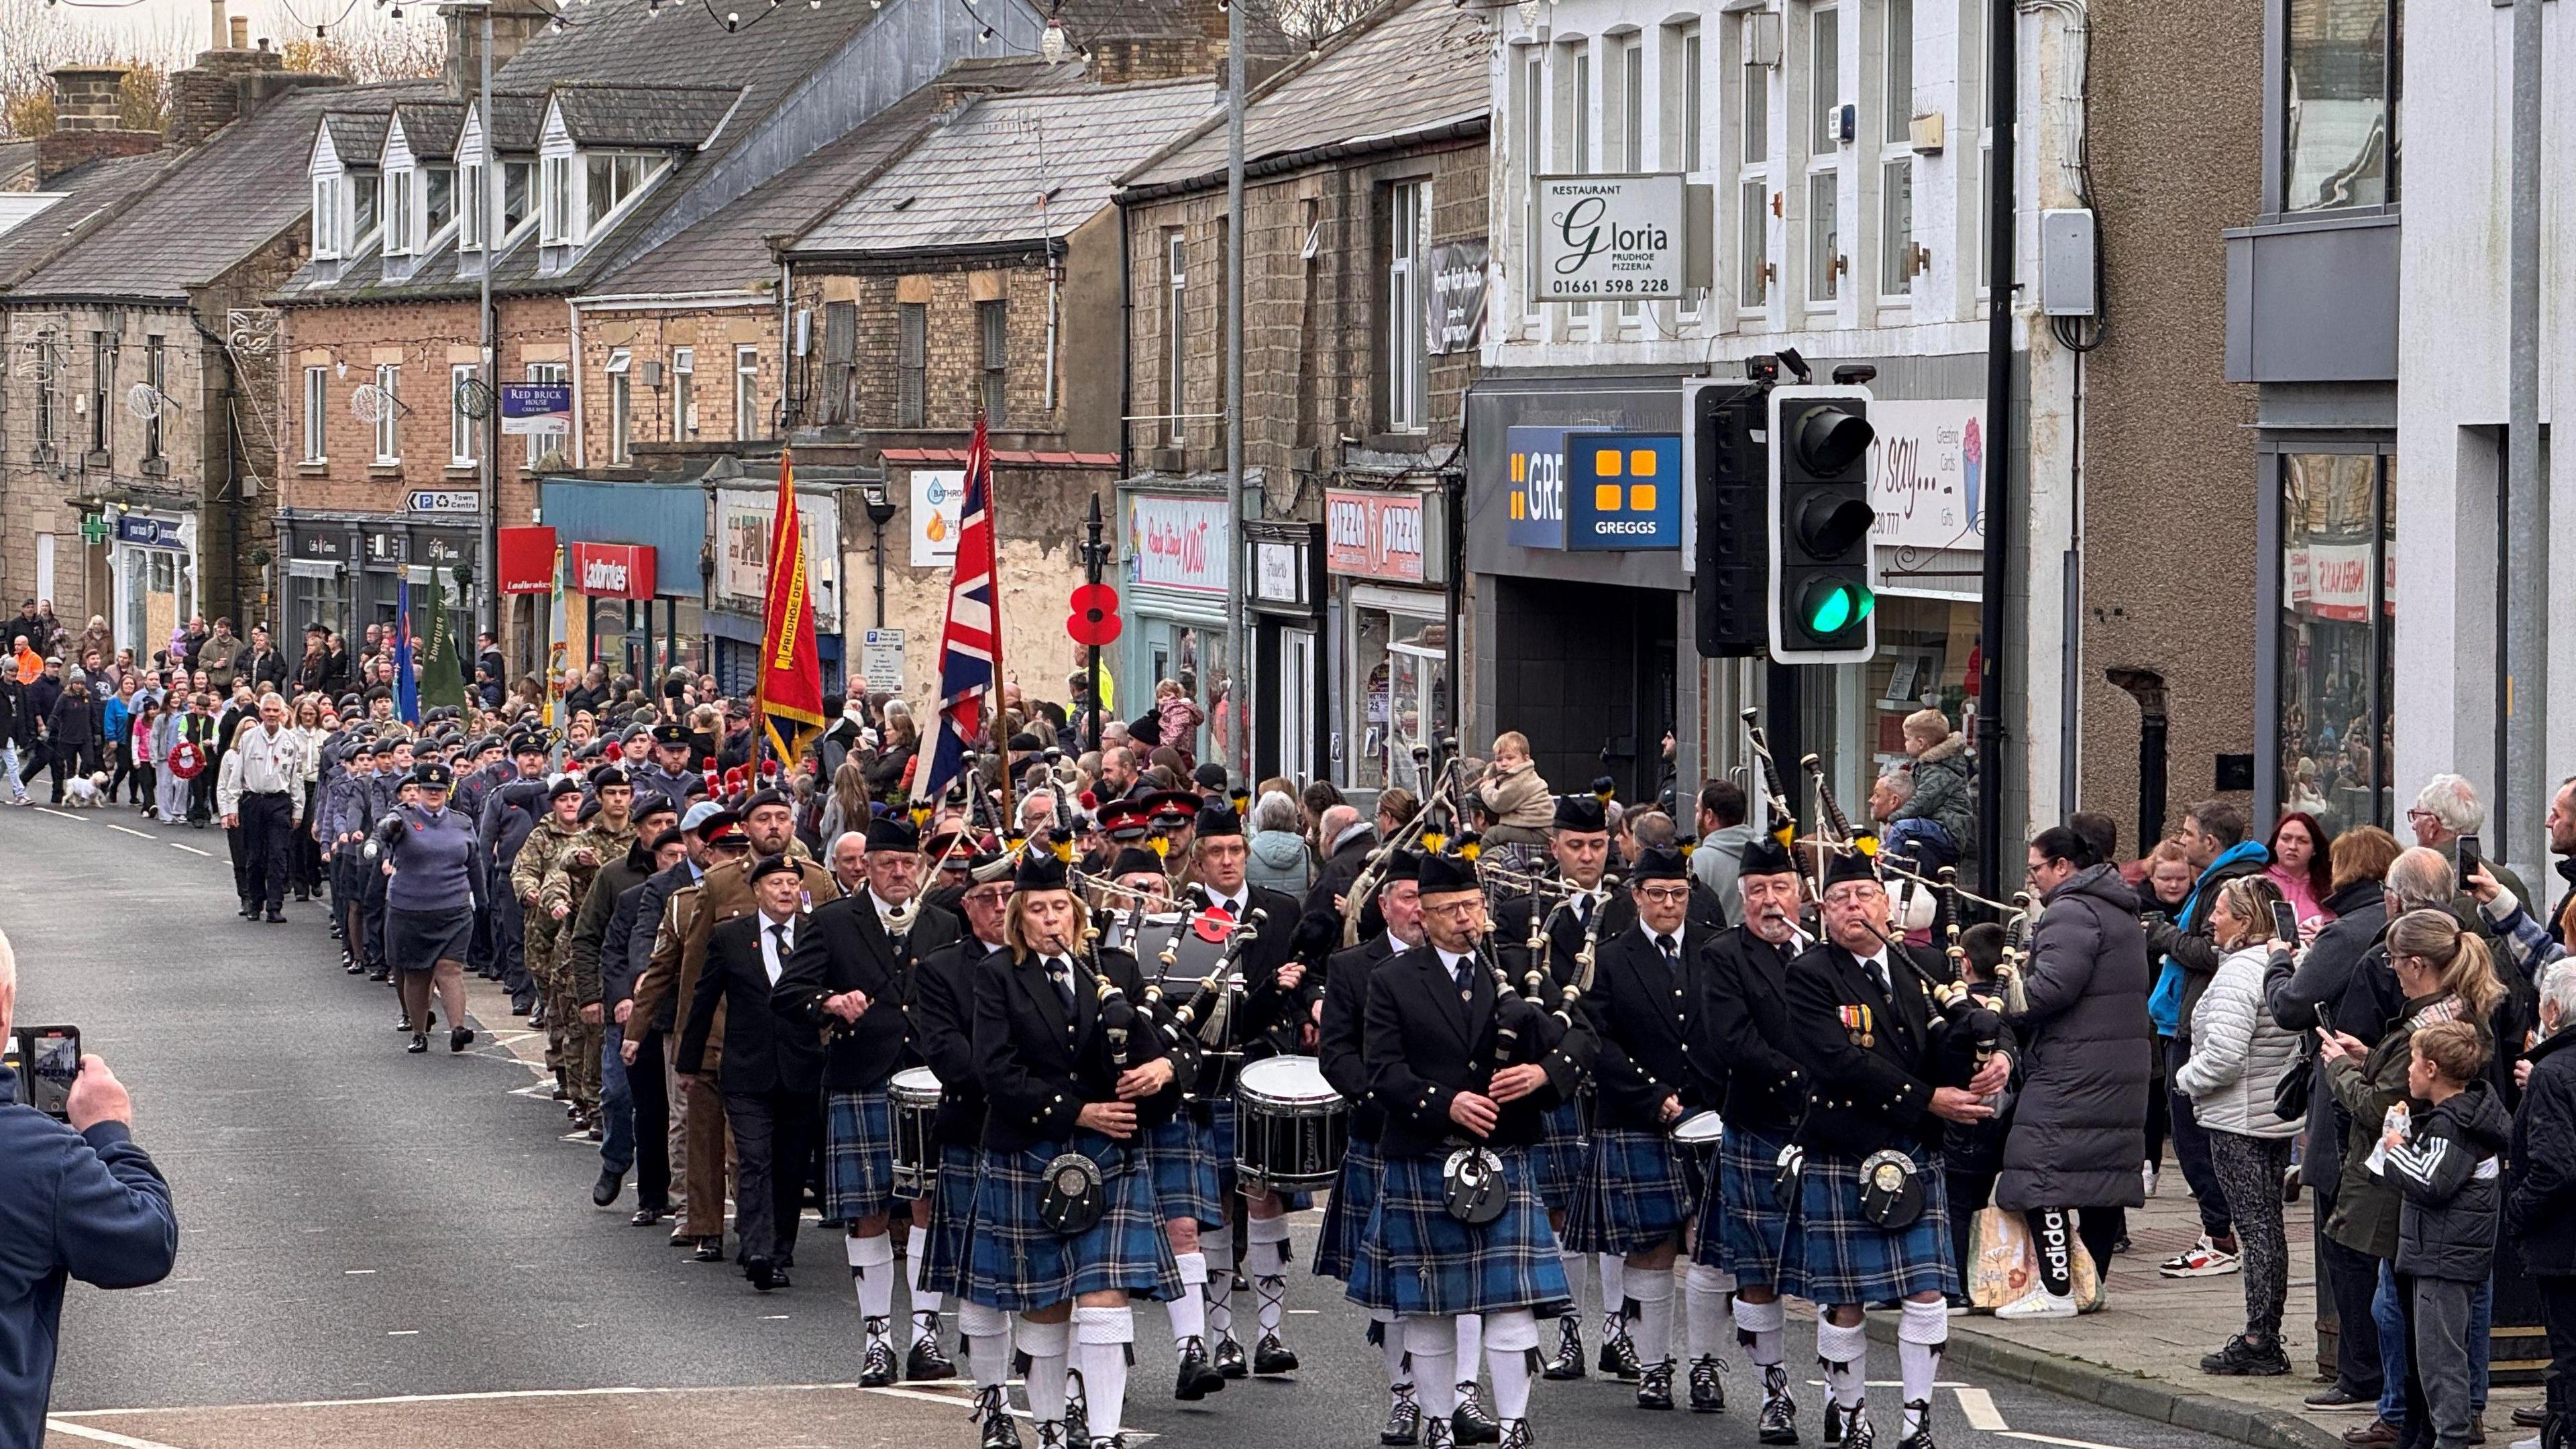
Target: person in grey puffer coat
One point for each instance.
(2080, 1127)
(1280, 859)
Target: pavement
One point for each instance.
(386, 1249)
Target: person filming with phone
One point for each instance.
(77, 1200)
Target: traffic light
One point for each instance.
(1821, 604)
(1731, 566)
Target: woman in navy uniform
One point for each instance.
(1068, 1071)
(1743, 1231)
(1459, 1066)
(1864, 1023)
(1641, 1188)
(431, 893)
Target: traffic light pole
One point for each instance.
(2003, 76)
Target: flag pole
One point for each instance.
(993, 571)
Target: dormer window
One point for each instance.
(555, 229)
(329, 242)
(364, 190)
(438, 198)
(400, 212)
(611, 178)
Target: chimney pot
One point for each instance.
(219, 33)
(241, 33)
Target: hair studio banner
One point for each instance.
(1455, 320)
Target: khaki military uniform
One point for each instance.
(546, 845)
(567, 883)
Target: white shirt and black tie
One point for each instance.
(1461, 969)
(1060, 971)
(1874, 966)
(777, 939)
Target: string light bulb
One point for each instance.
(1051, 41)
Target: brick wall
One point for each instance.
(1314, 327)
(713, 335)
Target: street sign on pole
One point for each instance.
(881, 660)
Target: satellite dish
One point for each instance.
(368, 403)
(143, 400)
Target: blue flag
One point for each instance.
(406, 682)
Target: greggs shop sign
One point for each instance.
(1597, 492)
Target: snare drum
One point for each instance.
(1290, 1128)
(914, 1094)
(1699, 1129)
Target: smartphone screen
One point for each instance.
(2152, 919)
(2470, 857)
(2325, 1019)
(49, 1058)
(2285, 923)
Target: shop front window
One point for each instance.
(2338, 612)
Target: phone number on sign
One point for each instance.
(1566, 288)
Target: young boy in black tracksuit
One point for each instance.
(2445, 1165)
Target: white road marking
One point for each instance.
(402, 1333)
(137, 834)
(357, 1272)
(57, 814)
(773, 1318)
(1979, 1408)
(2053, 1439)
(59, 1425)
(192, 850)
(482, 1396)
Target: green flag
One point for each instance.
(442, 674)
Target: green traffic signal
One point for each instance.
(1832, 605)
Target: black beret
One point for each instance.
(1766, 856)
(769, 795)
(1217, 818)
(1446, 875)
(671, 734)
(431, 775)
(1660, 862)
(1848, 866)
(362, 745)
(771, 865)
(893, 832)
(672, 836)
(589, 808)
(1040, 871)
(1026, 742)
(563, 785)
(652, 804)
(1133, 861)
(1582, 814)
(607, 775)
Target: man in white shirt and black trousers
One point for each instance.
(1874, 1222)
(262, 796)
(773, 1069)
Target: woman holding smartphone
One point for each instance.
(431, 894)
(2238, 1057)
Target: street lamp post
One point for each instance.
(880, 513)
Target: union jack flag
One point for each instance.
(970, 648)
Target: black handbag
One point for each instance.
(2290, 1094)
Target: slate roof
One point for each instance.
(1413, 66)
(645, 116)
(215, 205)
(17, 164)
(96, 188)
(616, 44)
(977, 180)
(431, 128)
(358, 136)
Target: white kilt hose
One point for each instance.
(1742, 1228)
(1415, 1258)
(1843, 1257)
(1639, 1189)
(1346, 1217)
(952, 1222)
(1017, 1263)
(858, 1154)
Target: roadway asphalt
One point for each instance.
(379, 1248)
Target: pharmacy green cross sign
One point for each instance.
(94, 529)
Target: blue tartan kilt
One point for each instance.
(952, 1221)
(1181, 1156)
(1846, 1259)
(1415, 1258)
(1015, 1262)
(1556, 1162)
(1639, 1189)
(1346, 1218)
(858, 1155)
(1741, 1229)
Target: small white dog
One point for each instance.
(86, 792)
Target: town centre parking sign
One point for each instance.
(1622, 238)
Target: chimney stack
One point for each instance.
(88, 98)
(218, 33)
(514, 24)
(241, 33)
